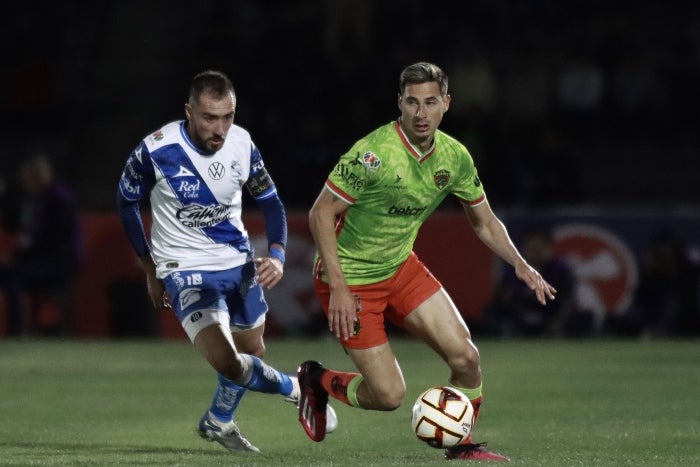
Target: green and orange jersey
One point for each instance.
(391, 189)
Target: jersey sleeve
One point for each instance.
(352, 173)
(259, 184)
(136, 182)
(469, 188)
(264, 191)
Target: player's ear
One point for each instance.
(188, 111)
(447, 99)
(399, 100)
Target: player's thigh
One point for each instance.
(216, 346)
(379, 369)
(250, 341)
(245, 298)
(437, 322)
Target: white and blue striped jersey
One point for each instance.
(195, 197)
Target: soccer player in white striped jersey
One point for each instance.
(198, 259)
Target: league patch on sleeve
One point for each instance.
(371, 161)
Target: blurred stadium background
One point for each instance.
(577, 113)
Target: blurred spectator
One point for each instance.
(667, 298)
(44, 251)
(514, 311)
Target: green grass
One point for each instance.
(548, 403)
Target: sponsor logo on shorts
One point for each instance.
(177, 278)
(189, 297)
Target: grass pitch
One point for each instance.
(547, 403)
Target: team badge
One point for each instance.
(357, 325)
(158, 135)
(370, 160)
(236, 169)
(441, 178)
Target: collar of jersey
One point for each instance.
(190, 143)
(411, 148)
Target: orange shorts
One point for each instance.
(393, 299)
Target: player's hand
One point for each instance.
(543, 290)
(342, 313)
(165, 304)
(156, 292)
(268, 271)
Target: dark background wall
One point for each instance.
(560, 102)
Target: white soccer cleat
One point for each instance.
(331, 417)
(226, 434)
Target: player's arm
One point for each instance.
(136, 181)
(322, 218)
(493, 234)
(270, 268)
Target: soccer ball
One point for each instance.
(442, 417)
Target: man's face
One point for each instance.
(209, 120)
(422, 107)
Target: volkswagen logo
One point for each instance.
(216, 170)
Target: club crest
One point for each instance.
(441, 178)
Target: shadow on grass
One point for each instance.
(100, 452)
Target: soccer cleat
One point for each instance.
(313, 400)
(473, 452)
(226, 434)
(331, 417)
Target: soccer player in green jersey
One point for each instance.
(364, 223)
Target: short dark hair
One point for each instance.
(210, 81)
(423, 72)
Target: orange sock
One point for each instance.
(475, 397)
(476, 403)
(337, 382)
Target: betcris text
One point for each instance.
(406, 211)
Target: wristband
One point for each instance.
(277, 253)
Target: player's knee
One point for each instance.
(467, 361)
(390, 400)
(257, 351)
(231, 367)
(390, 403)
(250, 346)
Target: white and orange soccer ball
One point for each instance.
(442, 417)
